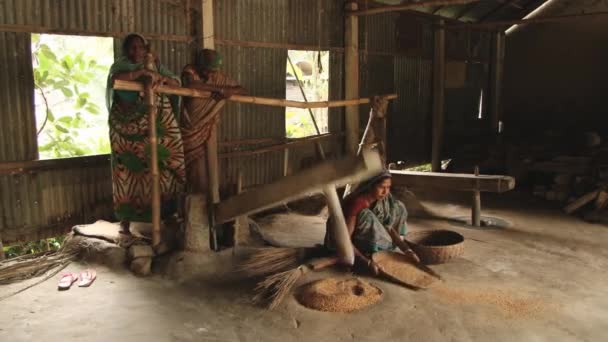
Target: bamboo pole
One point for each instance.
(496, 81)
(136, 86)
(150, 100)
(476, 209)
(504, 23)
(408, 6)
(438, 96)
(351, 77)
(277, 147)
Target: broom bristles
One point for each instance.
(268, 260)
(276, 287)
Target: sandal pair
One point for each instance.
(68, 279)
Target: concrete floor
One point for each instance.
(543, 279)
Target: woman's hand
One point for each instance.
(374, 267)
(411, 254)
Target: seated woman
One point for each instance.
(375, 220)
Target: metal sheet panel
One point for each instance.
(18, 128)
(409, 125)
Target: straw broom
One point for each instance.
(276, 287)
(267, 260)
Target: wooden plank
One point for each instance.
(351, 78)
(493, 25)
(496, 80)
(9, 168)
(136, 86)
(453, 181)
(405, 7)
(79, 32)
(312, 180)
(580, 202)
(438, 96)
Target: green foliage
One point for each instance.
(34, 247)
(62, 78)
(298, 123)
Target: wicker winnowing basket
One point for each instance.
(436, 246)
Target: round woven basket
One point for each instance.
(436, 246)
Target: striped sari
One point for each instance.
(131, 172)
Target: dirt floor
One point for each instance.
(543, 279)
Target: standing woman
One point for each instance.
(128, 121)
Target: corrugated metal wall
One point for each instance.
(33, 201)
(44, 203)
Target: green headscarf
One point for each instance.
(209, 59)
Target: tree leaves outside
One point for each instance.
(312, 69)
(70, 75)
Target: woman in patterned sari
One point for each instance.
(201, 115)
(128, 121)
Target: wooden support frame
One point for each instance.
(351, 78)
(405, 7)
(496, 79)
(438, 96)
(313, 180)
(136, 86)
(453, 181)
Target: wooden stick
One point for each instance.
(409, 6)
(312, 180)
(580, 202)
(476, 209)
(502, 23)
(79, 32)
(277, 147)
(453, 181)
(136, 86)
(351, 78)
(438, 97)
(150, 100)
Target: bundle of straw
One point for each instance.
(30, 266)
(276, 287)
(268, 260)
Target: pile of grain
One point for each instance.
(506, 303)
(339, 295)
(399, 268)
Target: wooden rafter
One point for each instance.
(408, 6)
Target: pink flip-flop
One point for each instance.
(87, 277)
(66, 281)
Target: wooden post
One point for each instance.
(150, 100)
(286, 162)
(339, 229)
(351, 77)
(476, 209)
(2, 256)
(496, 81)
(208, 38)
(438, 95)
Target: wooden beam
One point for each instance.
(277, 147)
(351, 78)
(88, 33)
(136, 86)
(453, 181)
(405, 7)
(492, 25)
(313, 180)
(150, 101)
(438, 96)
(9, 168)
(496, 78)
(208, 42)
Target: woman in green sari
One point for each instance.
(128, 121)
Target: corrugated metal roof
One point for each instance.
(478, 11)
